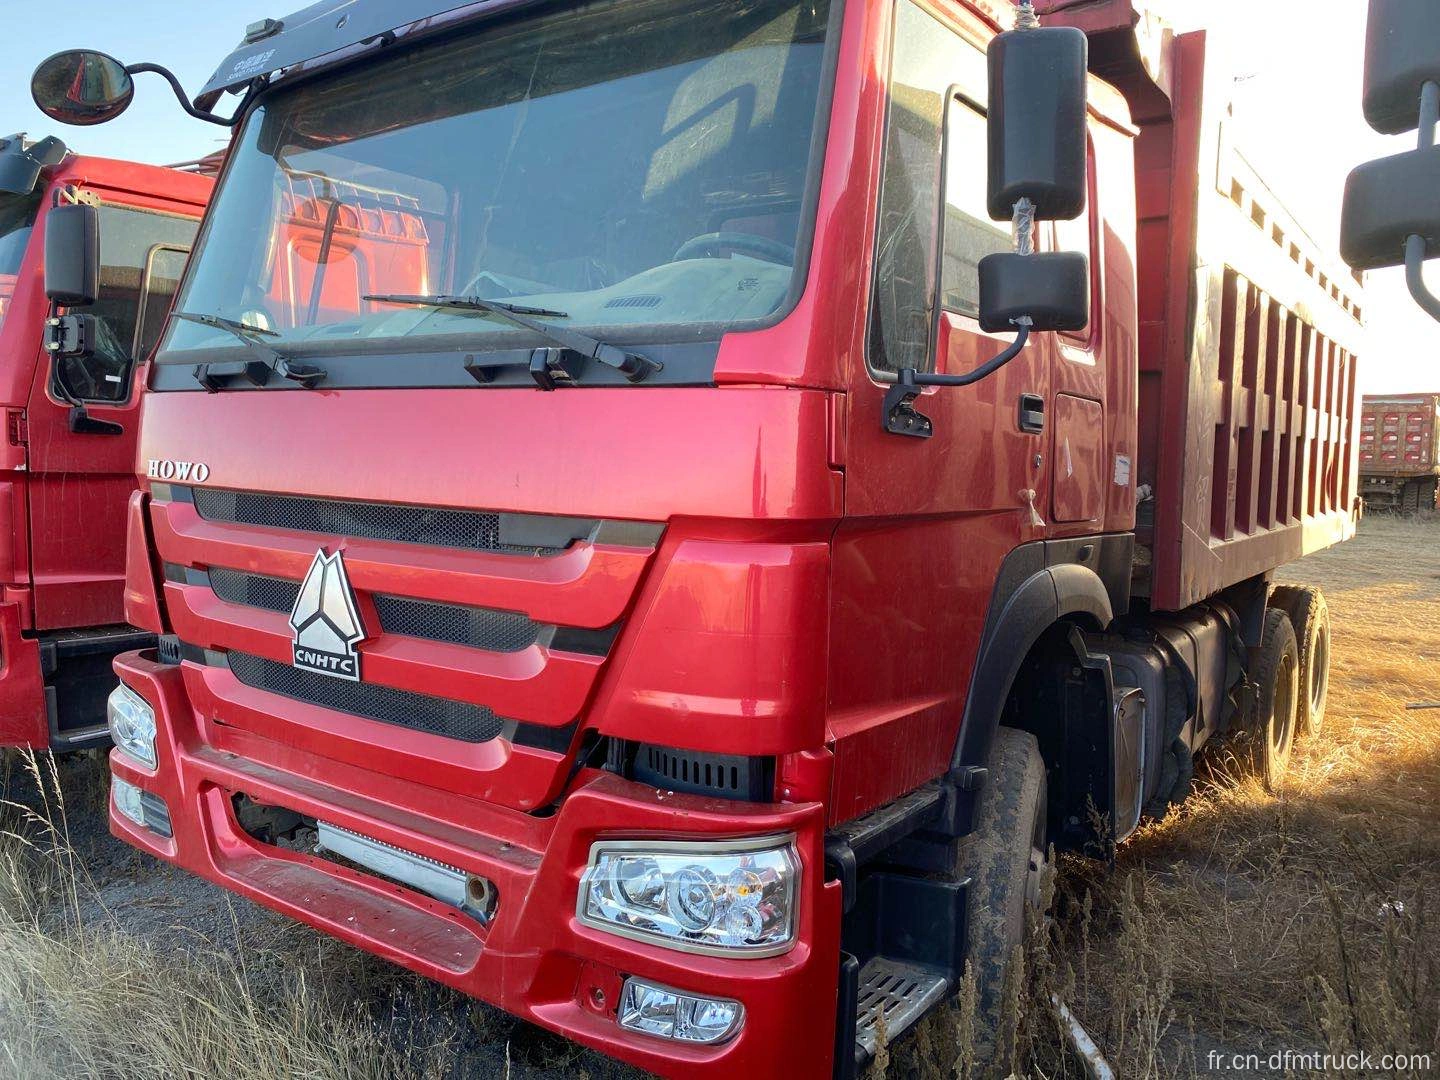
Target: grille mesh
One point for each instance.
(475, 530)
(418, 712)
(254, 590)
(479, 628)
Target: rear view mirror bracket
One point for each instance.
(1415, 246)
(898, 411)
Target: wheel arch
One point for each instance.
(1031, 599)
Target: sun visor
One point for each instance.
(21, 162)
(329, 27)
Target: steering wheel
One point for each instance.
(708, 246)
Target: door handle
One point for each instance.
(1032, 413)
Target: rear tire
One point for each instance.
(1310, 617)
(1005, 858)
(1276, 675)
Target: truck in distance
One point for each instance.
(744, 482)
(1399, 441)
(71, 417)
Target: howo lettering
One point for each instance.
(90, 255)
(795, 464)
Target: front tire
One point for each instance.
(1005, 857)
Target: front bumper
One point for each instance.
(534, 959)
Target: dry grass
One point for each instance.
(80, 997)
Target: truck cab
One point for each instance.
(626, 536)
(71, 427)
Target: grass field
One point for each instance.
(1243, 923)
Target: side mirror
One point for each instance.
(1037, 122)
(1402, 53)
(1387, 202)
(81, 87)
(1052, 290)
(72, 255)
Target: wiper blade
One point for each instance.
(632, 365)
(212, 376)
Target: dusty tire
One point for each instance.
(1310, 618)
(1276, 675)
(1004, 858)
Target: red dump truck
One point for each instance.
(661, 515)
(1399, 441)
(70, 426)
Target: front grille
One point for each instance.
(479, 628)
(475, 530)
(418, 712)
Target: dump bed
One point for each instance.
(1248, 332)
(1398, 434)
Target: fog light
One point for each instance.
(144, 808)
(670, 1014)
(132, 724)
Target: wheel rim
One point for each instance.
(1035, 873)
(1319, 668)
(1282, 717)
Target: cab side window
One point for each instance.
(970, 235)
(141, 254)
(928, 61)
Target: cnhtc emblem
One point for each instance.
(326, 624)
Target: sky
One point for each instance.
(1296, 100)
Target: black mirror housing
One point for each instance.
(1402, 53)
(72, 255)
(1037, 122)
(1386, 202)
(1052, 289)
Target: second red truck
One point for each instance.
(67, 451)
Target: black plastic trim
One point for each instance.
(1038, 584)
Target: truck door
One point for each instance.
(1083, 468)
(81, 475)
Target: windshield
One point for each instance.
(637, 168)
(17, 218)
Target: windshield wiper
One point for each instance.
(632, 365)
(212, 376)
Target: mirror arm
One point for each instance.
(898, 411)
(1415, 247)
(185, 102)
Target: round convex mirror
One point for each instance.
(81, 87)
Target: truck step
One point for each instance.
(902, 993)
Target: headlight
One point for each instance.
(728, 898)
(132, 724)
